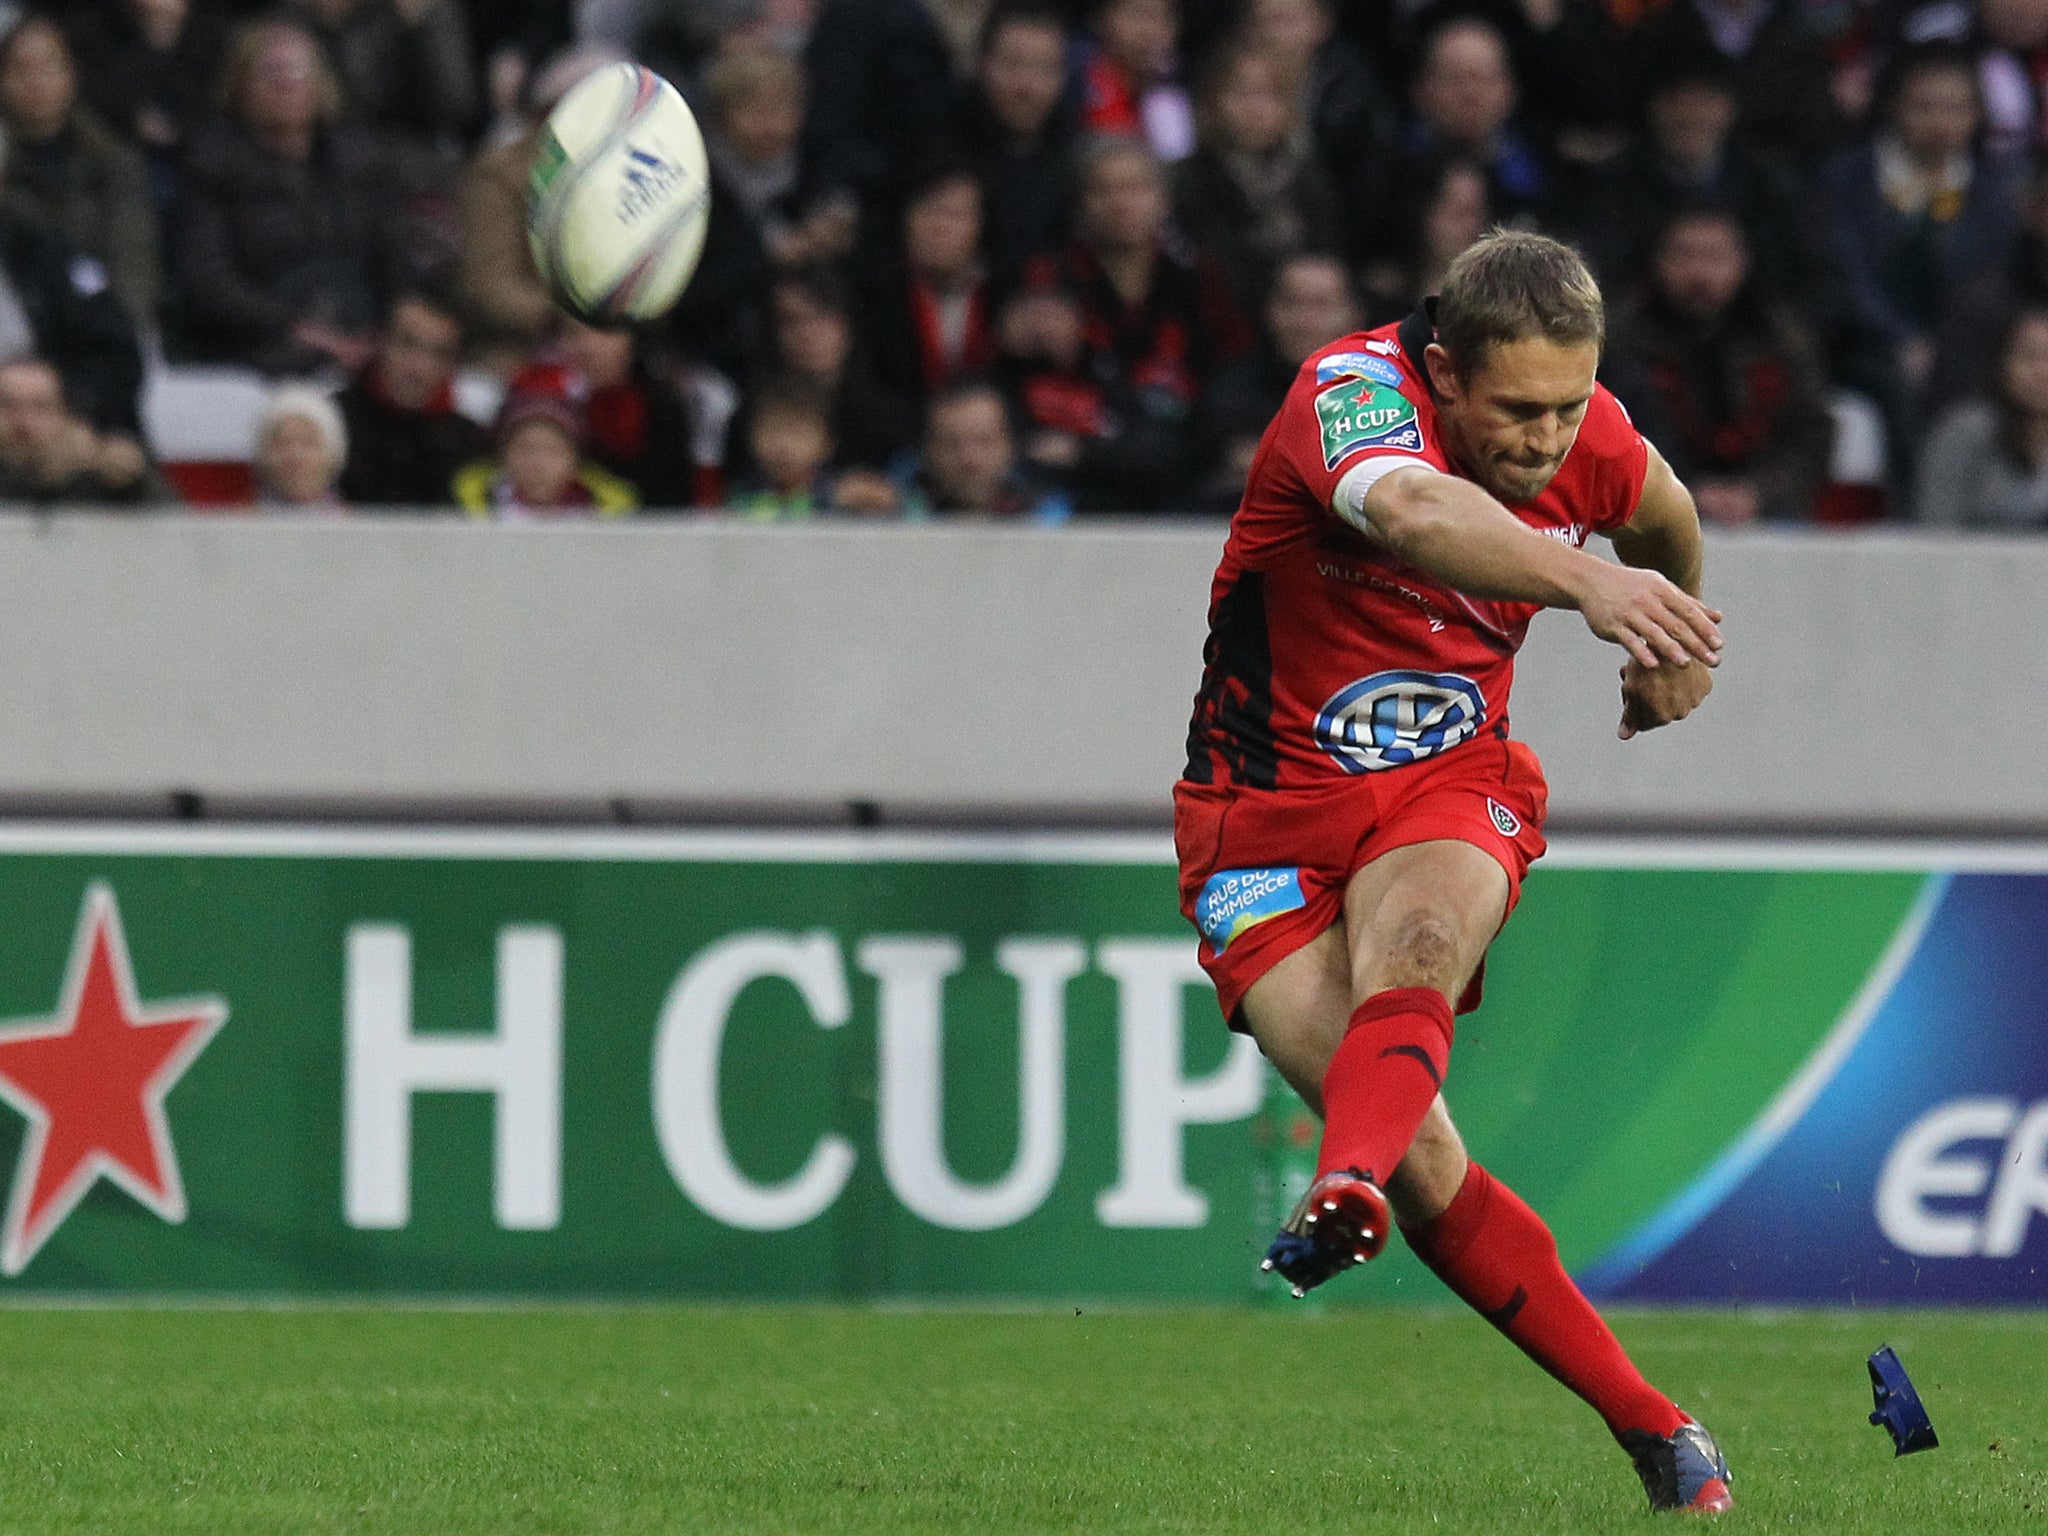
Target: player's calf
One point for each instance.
(1343, 1220)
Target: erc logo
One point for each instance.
(91, 1079)
(1966, 1179)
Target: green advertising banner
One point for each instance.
(255, 1062)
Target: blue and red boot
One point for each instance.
(1683, 1470)
(1341, 1221)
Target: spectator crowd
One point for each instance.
(1024, 259)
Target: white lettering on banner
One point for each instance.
(912, 973)
(2022, 1186)
(687, 1045)
(1155, 1099)
(1923, 1165)
(520, 1065)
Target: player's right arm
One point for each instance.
(1449, 527)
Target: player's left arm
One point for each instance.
(1663, 535)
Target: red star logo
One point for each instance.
(91, 1082)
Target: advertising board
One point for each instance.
(255, 1062)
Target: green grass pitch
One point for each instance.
(706, 1419)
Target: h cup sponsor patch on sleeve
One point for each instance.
(1505, 820)
(1358, 412)
(1392, 719)
(1233, 900)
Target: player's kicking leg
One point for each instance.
(1361, 1017)
(1359, 1022)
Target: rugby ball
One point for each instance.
(619, 197)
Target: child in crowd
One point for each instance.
(790, 439)
(540, 470)
(638, 429)
(811, 336)
(301, 445)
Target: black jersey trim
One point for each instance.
(1233, 721)
(1415, 334)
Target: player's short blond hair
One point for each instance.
(1510, 285)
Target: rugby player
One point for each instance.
(1355, 819)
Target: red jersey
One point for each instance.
(1330, 655)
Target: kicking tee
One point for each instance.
(1328, 654)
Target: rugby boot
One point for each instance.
(1681, 1470)
(1341, 1221)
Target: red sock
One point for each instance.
(1383, 1079)
(1501, 1260)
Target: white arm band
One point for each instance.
(1348, 500)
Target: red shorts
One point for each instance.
(1263, 871)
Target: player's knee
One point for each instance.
(1423, 951)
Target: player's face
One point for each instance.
(1511, 421)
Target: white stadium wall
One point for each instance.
(1877, 682)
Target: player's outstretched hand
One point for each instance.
(1650, 617)
(1650, 698)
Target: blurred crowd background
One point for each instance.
(1011, 258)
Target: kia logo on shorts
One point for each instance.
(1394, 718)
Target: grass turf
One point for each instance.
(700, 1420)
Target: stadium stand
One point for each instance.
(251, 186)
